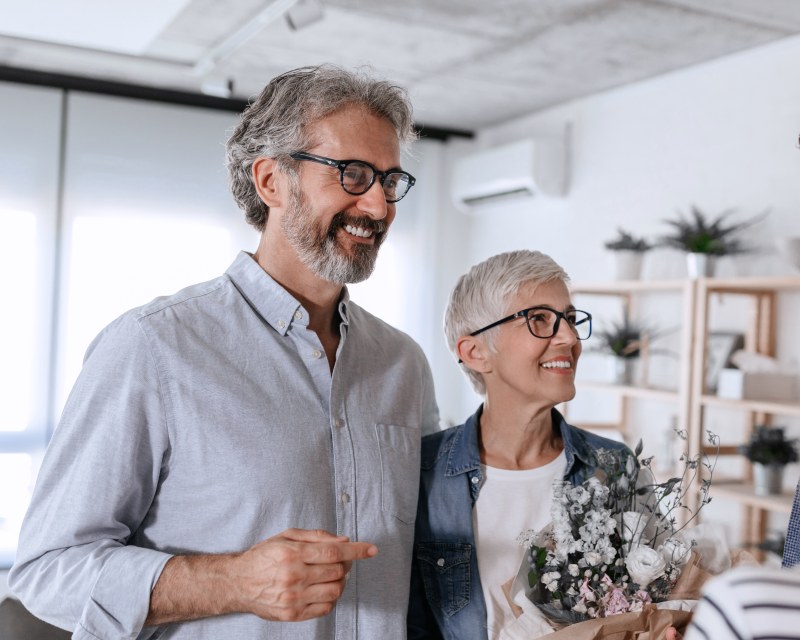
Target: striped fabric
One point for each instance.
(791, 552)
(749, 603)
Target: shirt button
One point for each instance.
(474, 480)
(316, 353)
(338, 423)
(345, 498)
(281, 324)
(298, 315)
(440, 562)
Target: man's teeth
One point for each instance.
(358, 231)
(558, 364)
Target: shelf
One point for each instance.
(751, 285)
(742, 492)
(625, 287)
(629, 391)
(758, 406)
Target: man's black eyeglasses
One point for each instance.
(543, 322)
(358, 176)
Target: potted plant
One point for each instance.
(703, 238)
(770, 452)
(628, 253)
(625, 340)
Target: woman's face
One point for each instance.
(531, 369)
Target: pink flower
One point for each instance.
(617, 603)
(586, 592)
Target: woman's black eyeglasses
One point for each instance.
(543, 322)
(358, 176)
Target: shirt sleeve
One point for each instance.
(719, 614)
(791, 551)
(430, 416)
(75, 567)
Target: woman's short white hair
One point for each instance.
(482, 295)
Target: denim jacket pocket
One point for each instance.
(400, 459)
(445, 570)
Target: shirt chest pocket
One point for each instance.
(400, 459)
(445, 570)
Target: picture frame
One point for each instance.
(720, 347)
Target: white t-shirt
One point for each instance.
(509, 503)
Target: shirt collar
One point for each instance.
(270, 300)
(464, 453)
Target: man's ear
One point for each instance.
(473, 352)
(269, 181)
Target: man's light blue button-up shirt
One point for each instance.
(209, 420)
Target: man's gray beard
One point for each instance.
(318, 248)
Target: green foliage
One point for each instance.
(713, 236)
(623, 339)
(628, 242)
(769, 446)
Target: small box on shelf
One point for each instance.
(742, 385)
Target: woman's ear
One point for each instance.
(269, 181)
(473, 352)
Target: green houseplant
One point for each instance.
(628, 251)
(624, 340)
(770, 452)
(703, 237)
(625, 241)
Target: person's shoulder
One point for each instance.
(371, 327)
(196, 293)
(437, 445)
(596, 441)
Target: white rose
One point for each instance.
(633, 525)
(675, 551)
(644, 565)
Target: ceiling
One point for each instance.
(467, 63)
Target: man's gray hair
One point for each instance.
(277, 122)
(482, 296)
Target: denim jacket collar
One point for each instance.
(464, 451)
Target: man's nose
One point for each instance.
(373, 202)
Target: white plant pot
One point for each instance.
(628, 264)
(767, 479)
(623, 370)
(699, 265)
(789, 250)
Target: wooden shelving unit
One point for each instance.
(691, 398)
(762, 295)
(628, 291)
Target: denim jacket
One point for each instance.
(446, 595)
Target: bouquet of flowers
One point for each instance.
(614, 544)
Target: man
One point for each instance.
(241, 459)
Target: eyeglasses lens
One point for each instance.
(357, 178)
(542, 322)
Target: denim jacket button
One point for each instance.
(440, 562)
(474, 480)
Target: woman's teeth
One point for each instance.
(558, 364)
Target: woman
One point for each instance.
(512, 326)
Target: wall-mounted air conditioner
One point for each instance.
(527, 168)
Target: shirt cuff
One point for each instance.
(120, 599)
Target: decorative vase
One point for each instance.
(789, 250)
(623, 370)
(628, 264)
(699, 265)
(767, 479)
